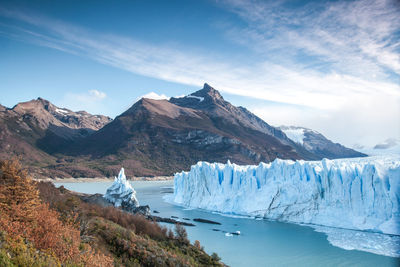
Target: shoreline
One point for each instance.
(101, 179)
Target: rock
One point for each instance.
(168, 220)
(205, 221)
(143, 210)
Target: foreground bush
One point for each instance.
(41, 225)
(23, 216)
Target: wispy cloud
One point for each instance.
(325, 57)
(92, 101)
(353, 37)
(153, 95)
(97, 95)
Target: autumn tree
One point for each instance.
(17, 190)
(181, 233)
(23, 215)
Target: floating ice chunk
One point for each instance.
(121, 192)
(377, 243)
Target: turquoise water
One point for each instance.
(261, 243)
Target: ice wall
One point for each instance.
(360, 193)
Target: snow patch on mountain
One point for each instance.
(121, 192)
(155, 96)
(295, 134)
(61, 111)
(357, 193)
(196, 97)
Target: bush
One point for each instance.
(215, 257)
(24, 216)
(181, 233)
(197, 244)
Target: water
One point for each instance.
(261, 243)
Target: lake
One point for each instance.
(261, 243)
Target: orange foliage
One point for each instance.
(23, 215)
(17, 190)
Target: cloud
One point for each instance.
(92, 101)
(391, 142)
(332, 62)
(91, 96)
(97, 95)
(355, 37)
(155, 96)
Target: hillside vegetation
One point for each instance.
(41, 225)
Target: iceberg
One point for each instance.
(357, 193)
(121, 193)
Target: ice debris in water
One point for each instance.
(358, 193)
(121, 192)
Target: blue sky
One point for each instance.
(332, 66)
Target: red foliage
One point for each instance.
(23, 215)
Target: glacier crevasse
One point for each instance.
(360, 193)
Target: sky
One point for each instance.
(332, 66)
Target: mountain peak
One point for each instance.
(206, 86)
(204, 98)
(33, 105)
(208, 91)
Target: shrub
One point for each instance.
(215, 257)
(181, 233)
(24, 216)
(197, 244)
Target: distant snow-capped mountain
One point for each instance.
(318, 144)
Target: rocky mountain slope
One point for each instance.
(157, 137)
(318, 144)
(34, 130)
(153, 137)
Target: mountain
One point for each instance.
(36, 129)
(318, 144)
(153, 137)
(158, 137)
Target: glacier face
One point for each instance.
(357, 193)
(121, 193)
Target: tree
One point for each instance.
(215, 257)
(197, 244)
(24, 216)
(181, 233)
(19, 196)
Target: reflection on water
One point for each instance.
(261, 243)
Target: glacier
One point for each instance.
(357, 193)
(121, 193)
